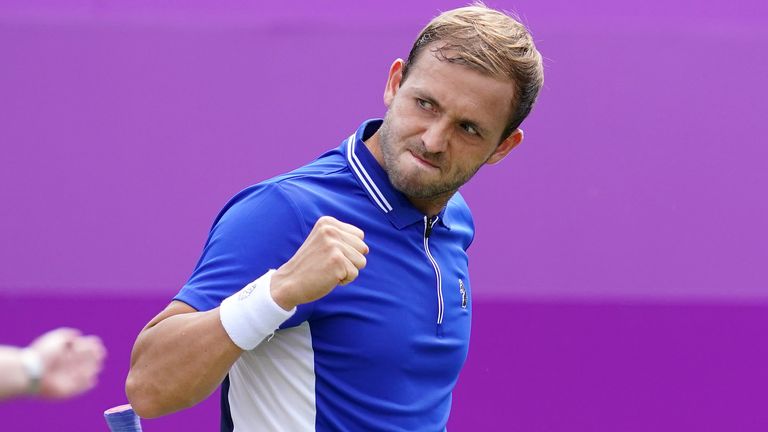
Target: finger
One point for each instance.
(87, 365)
(66, 331)
(79, 384)
(356, 242)
(82, 385)
(353, 256)
(347, 228)
(62, 335)
(93, 345)
(93, 339)
(87, 356)
(84, 348)
(54, 342)
(351, 271)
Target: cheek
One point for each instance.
(465, 161)
(410, 120)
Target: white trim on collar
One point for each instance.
(362, 174)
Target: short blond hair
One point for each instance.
(492, 42)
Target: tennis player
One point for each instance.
(337, 296)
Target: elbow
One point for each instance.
(151, 400)
(144, 400)
(138, 399)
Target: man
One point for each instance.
(364, 324)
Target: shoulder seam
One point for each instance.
(292, 175)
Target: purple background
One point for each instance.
(619, 268)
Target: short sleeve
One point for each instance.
(258, 230)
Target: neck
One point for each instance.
(433, 205)
(429, 206)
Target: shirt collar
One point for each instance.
(375, 181)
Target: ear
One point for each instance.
(393, 81)
(506, 146)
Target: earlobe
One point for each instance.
(505, 147)
(393, 81)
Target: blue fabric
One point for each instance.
(382, 361)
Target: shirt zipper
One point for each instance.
(428, 224)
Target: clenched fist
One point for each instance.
(333, 254)
(71, 362)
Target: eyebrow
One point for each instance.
(422, 95)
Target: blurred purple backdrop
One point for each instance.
(619, 267)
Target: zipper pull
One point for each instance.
(428, 224)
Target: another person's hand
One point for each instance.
(71, 362)
(333, 254)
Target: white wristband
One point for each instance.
(33, 366)
(251, 314)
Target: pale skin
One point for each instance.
(71, 363)
(183, 355)
(446, 121)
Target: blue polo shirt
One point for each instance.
(381, 353)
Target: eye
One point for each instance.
(424, 104)
(470, 129)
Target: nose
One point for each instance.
(436, 137)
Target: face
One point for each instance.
(443, 123)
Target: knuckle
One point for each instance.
(328, 247)
(337, 257)
(326, 230)
(352, 273)
(326, 220)
(321, 222)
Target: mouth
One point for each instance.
(422, 161)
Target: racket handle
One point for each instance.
(122, 419)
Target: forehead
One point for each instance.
(462, 90)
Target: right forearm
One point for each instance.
(13, 377)
(178, 362)
(183, 355)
